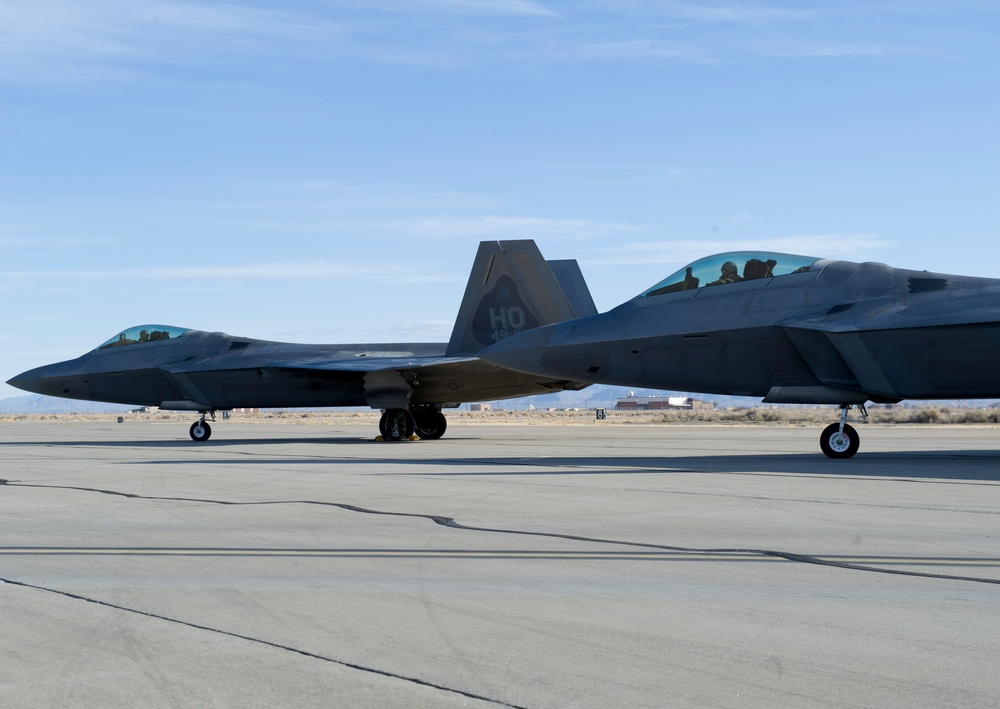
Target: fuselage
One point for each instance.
(204, 371)
(215, 369)
(837, 332)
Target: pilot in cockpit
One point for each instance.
(729, 274)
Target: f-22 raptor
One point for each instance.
(790, 329)
(511, 289)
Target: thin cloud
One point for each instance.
(53, 41)
(331, 195)
(856, 247)
(399, 332)
(500, 227)
(793, 49)
(508, 8)
(735, 14)
(61, 41)
(641, 48)
(37, 243)
(680, 32)
(116, 39)
(254, 271)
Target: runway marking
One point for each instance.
(386, 553)
(501, 554)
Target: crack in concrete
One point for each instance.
(452, 524)
(260, 641)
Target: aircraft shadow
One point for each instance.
(188, 444)
(978, 465)
(932, 466)
(961, 464)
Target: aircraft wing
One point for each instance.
(900, 314)
(894, 351)
(396, 382)
(511, 289)
(369, 364)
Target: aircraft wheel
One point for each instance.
(429, 424)
(200, 431)
(395, 425)
(839, 445)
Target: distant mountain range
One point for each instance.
(38, 404)
(593, 397)
(604, 397)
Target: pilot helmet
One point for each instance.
(729, 267)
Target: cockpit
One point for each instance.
(732, 267)
(143, 334)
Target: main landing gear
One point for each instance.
(426, 422)
(840, 440)
(396, 425)
(429, 423)
(200, 430)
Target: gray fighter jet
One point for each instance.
(790, 329)
(511, 289)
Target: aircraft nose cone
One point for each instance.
(40, 380)
(33, 380)
(27, 382)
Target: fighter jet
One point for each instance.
(790, 329)
(511, 289)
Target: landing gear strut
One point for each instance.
(200, 430)
(840, 440)
(396, 425)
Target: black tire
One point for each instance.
(839, 445)
(200, 431)
(429, 424)
(396, 425)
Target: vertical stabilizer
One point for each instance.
(571, 279)
(511, 289)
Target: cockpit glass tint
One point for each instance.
(732, 267)
(143, 334)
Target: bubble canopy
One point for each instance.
(143, 334)
(731, 267)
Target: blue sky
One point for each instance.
(322, 171)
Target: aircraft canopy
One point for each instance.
(731, 267)
(142, 334)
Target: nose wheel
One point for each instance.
(200, 430)
(839, 443)
(840, 440)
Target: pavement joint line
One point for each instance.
(487, 554)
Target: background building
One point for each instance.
(654, 403)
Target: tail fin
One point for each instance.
(571, 279)
(511, 289)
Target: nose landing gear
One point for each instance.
(840, 440)
(200, 430)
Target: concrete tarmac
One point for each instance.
(512, 566)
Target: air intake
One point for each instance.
(927, 285)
